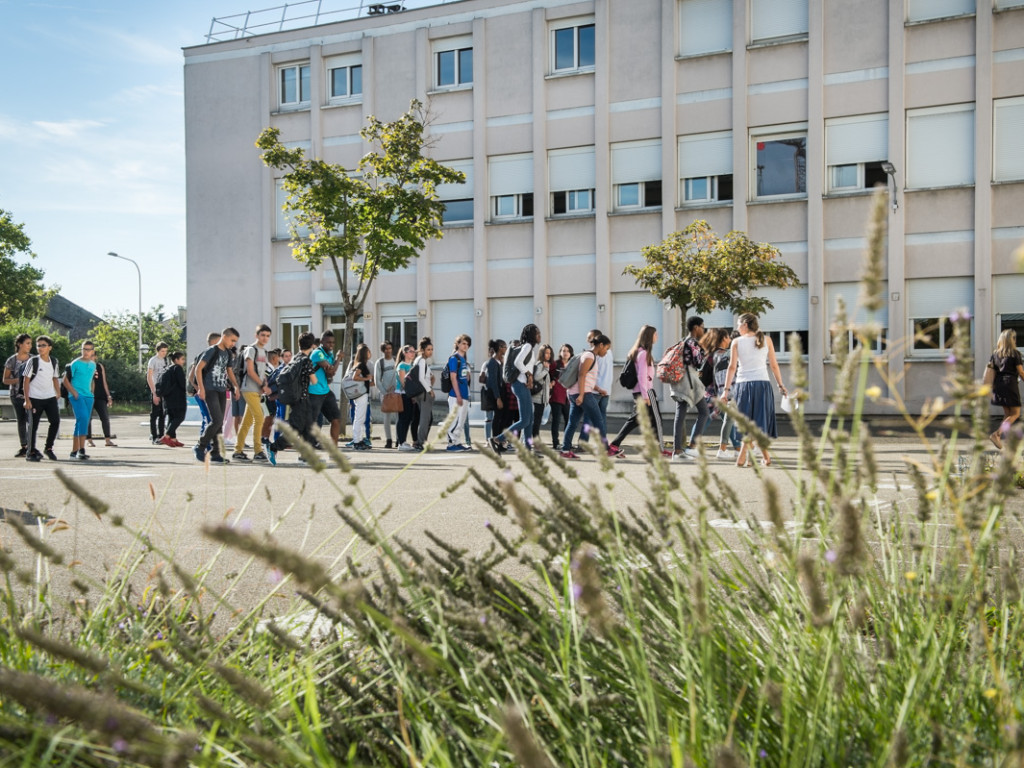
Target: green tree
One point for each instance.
(22, 293)
(364, 221)
(117, 337)
(697, 269)
(63, 349)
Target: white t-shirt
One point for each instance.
(41, 386)
(752, 362)
(157, 365)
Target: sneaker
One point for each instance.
(82, 456)
(155, 440)
(168, 441)
(239, 457)
(389, 444)
(261, 456)
(48, 453)
(691, 452)
(22, 453)
(361, 447)
(728, 454)
(218, 460)
(615, 451)
(568, 455)
(271, 456)
(681, 458)
(367, 443)
(34, 456)
(176, 443)
(302, 459)
(350, 444)
(406, 447)
(454, 447)
(199, 453)
(74, 454)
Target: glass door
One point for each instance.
(400, 331)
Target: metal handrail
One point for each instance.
(299, 14)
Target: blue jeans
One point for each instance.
(590, 412)
(602, 405)
(82, 407)
(523, 427)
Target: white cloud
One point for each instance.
(67, 129)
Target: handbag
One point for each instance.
(487, 400)
(413, 387)
(353, 388)
(391, 402)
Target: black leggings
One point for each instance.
(634, 419)
(407, 417)
(559, 421)
(100, 407)
(23, 419)
(156, 419)
(175, 416)
(51, 408)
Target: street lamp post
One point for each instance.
(125, 258)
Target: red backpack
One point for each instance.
(671, 367)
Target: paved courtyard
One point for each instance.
(165, 493)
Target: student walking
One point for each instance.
(103, 398)
(583, 397)
(156, 366)
(361, 372)
(642, 358)
(213, 378)
(254, 389)
(492, 393)
(408, 415)
(719, 341)
(322, 401)
(78, 380)
(693, 357)
(541, 389)
(750, 357)
(300, 416)
(385, 378)
(1007, 367)
(559, 399)
(523, 360)
(175, 397)
(419, 385)
(13, 368)
(41, 388)
(457, 371)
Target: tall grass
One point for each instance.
(834, 630)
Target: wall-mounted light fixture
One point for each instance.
(421, 313)
(600, 307)
(479, 312)
(539, 310)
(890, 171)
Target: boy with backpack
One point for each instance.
(456, 383)
(254, 366)
(190, 381)
(274, 406)
(41, 388)
(213, 377)
(158, 363)
(293, 390)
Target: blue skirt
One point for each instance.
(756, 401)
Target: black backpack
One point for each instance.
(164, 382)
(628, 378)
(446, 380)
(707, 372)
(238, 364)
(289, 381)
(509, 372)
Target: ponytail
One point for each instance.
(751, 322)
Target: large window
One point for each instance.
(705, 26)
(572, 318)
(510, 186)
(458, 198)
(630, 312)
(636, 175)
(451, 320)
(293, 322)
(779, 162)
(924, 10)
(571, 180)
(344, 78)
(1008, 139)
(453, 62)
(856, 315)
(293, 84)
(572, 48)
(775, 19)
(930, 304)
(705, 167)
(399, 324)
(854, 150)
(788, 316)
(1008, 303)
(940, 146)
(508, 315)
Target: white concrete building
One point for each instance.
(590, 129)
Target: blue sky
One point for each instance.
(92, 155)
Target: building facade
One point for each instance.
(588, 130)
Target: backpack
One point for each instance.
(707, 372)
(413, 387)
(289, 381)
(238, 364)
(671, 367)
(191, 385)
(162, 386)
(509, 372)
(272, 382)
(570, 374)
(721, 369)
(446, 380)
(629, 378)
(33, 363)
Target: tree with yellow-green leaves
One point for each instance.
(22, 293)
(697, 269)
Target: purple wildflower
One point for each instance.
(951, 359)
(1004, 427)
(487, 523)
(954, 316)
(577, 590)
(830, 555)
(275, 576)
(120, 745)
(586, 429)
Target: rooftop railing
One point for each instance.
(305, 13)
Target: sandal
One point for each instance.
(111, 444)
(89, 442)
(996, 440)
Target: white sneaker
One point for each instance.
(728, 454)
(681, 458)
(406, 447)
(691, 452)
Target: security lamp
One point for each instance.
(890, 171)
(889, 168)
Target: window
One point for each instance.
(777, 19)
(453, 61)
(636, 174)
(344, 78)
(507, 316)
(705, 167)
(399, 324)
(940, 146)
(334, 318)
(854, 150)
(282, 223)
(572, 318)
(631, 311)
(572, 48)
(572, 180)
(924, 10)
(510, 186)
(457, 198)
(856, 315)
(1002, 5)
(780, 163)
(1008, 303)
(294, 321)
(451, 320)
(294, 86)
(789, 315)
(1008, 149)
(705, 26)
(930, 303)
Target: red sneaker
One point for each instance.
(169, 442)
(615, 452)
(176, 444)
(568, 455)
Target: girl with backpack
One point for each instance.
(41, 387)
(559, 400)
(491, 393)
(642, 358)
(78, 380)
(407, 417)
(521, 366)
(385, 378)
(12, 378)
(719, 341)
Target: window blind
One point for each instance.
(778, 18)
(510, 174)
(705, 26)
(705, 154)
(457, 191)
(1008, 151)
(940, 147)
(571, 169)
(861, 139)
(636, 161)
(938, 296)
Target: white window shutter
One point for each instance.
(705, 26)
(457, 191)
(452, 319)
(508, 316)
(572, 318)
(861, 139)
(634, 161)
(510, 174)
(938, 296)
(571, 169)
(631, 311)
(1008, 294)
(706, 154)
(920, 10)
(1008, 160)
(777, 18)
(940, 147)
(850, 293)
(790, 312)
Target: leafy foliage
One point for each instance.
(695, 268)
(117, 337)
(22, 293)
(367, 220)
(9, 330)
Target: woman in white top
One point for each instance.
(750, 356)
(420, 372)
(524, 359)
